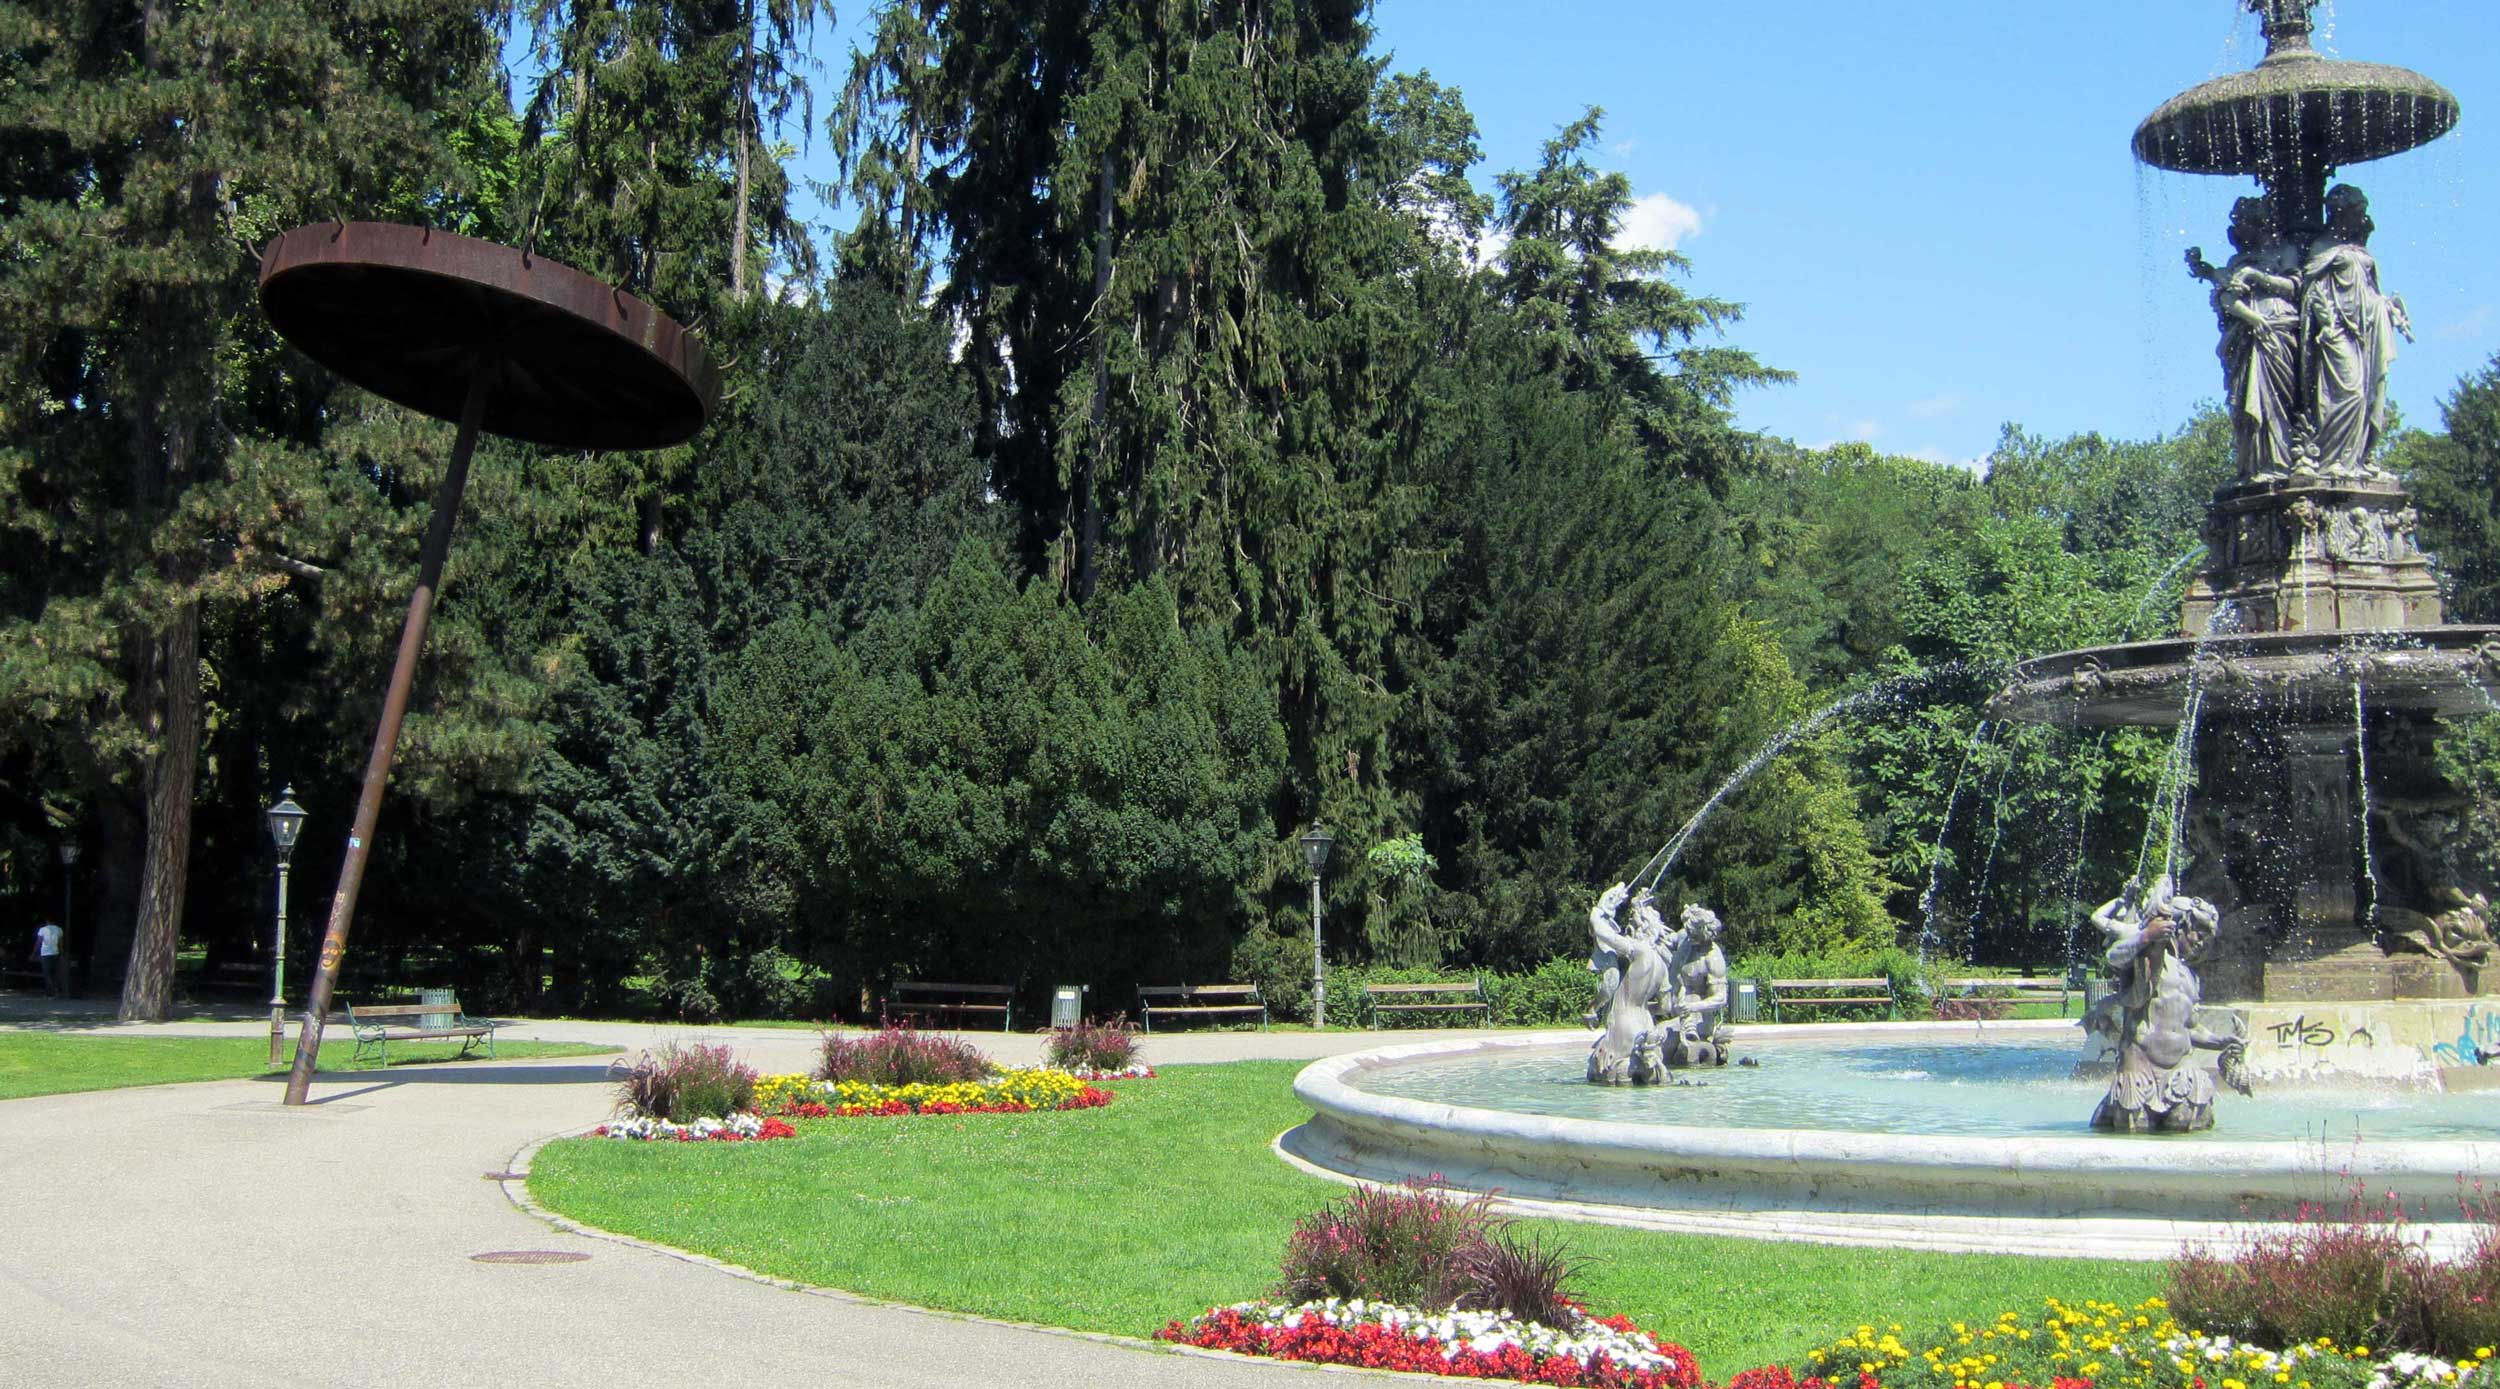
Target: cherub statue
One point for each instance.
(1697, 993)
(2160, 1086)
(1626, 1049)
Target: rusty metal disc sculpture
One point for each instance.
(502, 343)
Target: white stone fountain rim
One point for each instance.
(2086, 1195)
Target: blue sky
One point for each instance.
(1930, 210)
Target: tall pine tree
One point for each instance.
(152, 146)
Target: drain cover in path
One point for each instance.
(529, 1256)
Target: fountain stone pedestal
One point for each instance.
(2307, 554)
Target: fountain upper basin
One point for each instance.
(2306, 676)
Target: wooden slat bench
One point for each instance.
(1200, 1000)
(378, 1025)
(2033, 990)
(1453, 996)
(1829, 993)
(911, 1000)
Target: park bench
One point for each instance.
(377, 1025)
(1200, 1000)
(1452, 996)
(1782, 994)
(22, 974)
(231, 977)
(1991, 990)
(911, 1000)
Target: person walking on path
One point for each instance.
(49, 959)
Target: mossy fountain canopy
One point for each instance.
(2298, 115)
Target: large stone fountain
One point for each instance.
(2314, 657)
(2305, 690)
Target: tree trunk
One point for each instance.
(147, 989)
(111, 917)
(1089, 515)
(529, 971)
(746, 134)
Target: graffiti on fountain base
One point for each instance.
(2477, 1042)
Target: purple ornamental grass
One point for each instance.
(902, 1056)
(1107, 1046)
(1416, 1246)
(683, 1083)
(2354, 1276)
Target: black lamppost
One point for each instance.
(286, 821)
(1315, 845)
(69, 899)
(69, 880)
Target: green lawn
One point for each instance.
(43, 1063)
(1169, 1201)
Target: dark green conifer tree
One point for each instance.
(151, 147)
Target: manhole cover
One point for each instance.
(529, 1256)
(507, 1176)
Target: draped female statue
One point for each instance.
(2348, 331)
(2257, 301)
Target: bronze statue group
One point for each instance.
(1662, 994)
(2308, 335)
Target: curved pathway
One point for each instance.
(203, 1234)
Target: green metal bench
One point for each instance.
(379, 1025)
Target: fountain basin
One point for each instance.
(2296, 109)
(2304, 676)
(2079, 1194)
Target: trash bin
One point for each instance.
(1748, 1002)
(430, 1021)
(1067, 1005)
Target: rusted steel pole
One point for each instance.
(386, 739)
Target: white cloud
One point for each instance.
(1864, 431)
(2473, 325)
(1624, 149)
(1936, 407)
(1488, 248)
(1937, 456)
(1659, 223)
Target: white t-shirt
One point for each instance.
(47, 939)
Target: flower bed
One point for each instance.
(1135, 1070)
(1607, 1354)
(737, 1128)
(1009, 1092)
(2100, 1345)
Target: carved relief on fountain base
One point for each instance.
(2311, 554)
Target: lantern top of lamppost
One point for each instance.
(416, 315)
(286, 821)
(69, 852)
(1315, 846)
